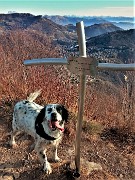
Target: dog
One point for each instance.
(44, 123)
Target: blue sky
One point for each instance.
(70, 7)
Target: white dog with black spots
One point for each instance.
(44, 123)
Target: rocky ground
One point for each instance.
(106, 154)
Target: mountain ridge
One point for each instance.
(117, 38)
(98, 29)
(122, 22)
(28, 21)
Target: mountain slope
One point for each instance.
(98, 29)
(17, 20)
(118, 47)
(115, 39)
(27, 21)
(26, 44)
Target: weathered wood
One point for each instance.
(87, 65)
(82, 51)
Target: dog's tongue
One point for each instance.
(58, 126)
(56, 123)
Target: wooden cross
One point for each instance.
(83, 66)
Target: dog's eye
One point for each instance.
(59, 110)
(49, 110)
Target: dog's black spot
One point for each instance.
(31, 109)
(63, 112)
(20, 107)
(25, 102)
(43, 155)
(25, 112)
(33, 112)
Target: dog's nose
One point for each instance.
(53, 117)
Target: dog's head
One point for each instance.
(56, 114)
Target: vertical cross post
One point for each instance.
(82, 53)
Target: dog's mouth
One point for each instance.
(55, 125)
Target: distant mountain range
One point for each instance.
(122, 22)
(64, 20)
(67, 33)
(59, 33)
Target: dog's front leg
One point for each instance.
(12, 141)
(56, 158)
(46, 165)
(43, 158)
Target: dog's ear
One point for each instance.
(65, 114)
(41, 115)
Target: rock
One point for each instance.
(87, 167)
(6, 177)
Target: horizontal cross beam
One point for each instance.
(64, 61)
(46, 61)
(116, 67)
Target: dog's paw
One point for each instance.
(47, 169)
(57, 159)
(13, 144)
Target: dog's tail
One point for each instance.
(34, 95)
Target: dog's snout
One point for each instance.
(54, 116)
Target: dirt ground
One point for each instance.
(109, 155)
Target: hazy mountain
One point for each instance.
(122, 22)
(118, 19)
(65, 20)
(98, 29)
(125, 25)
